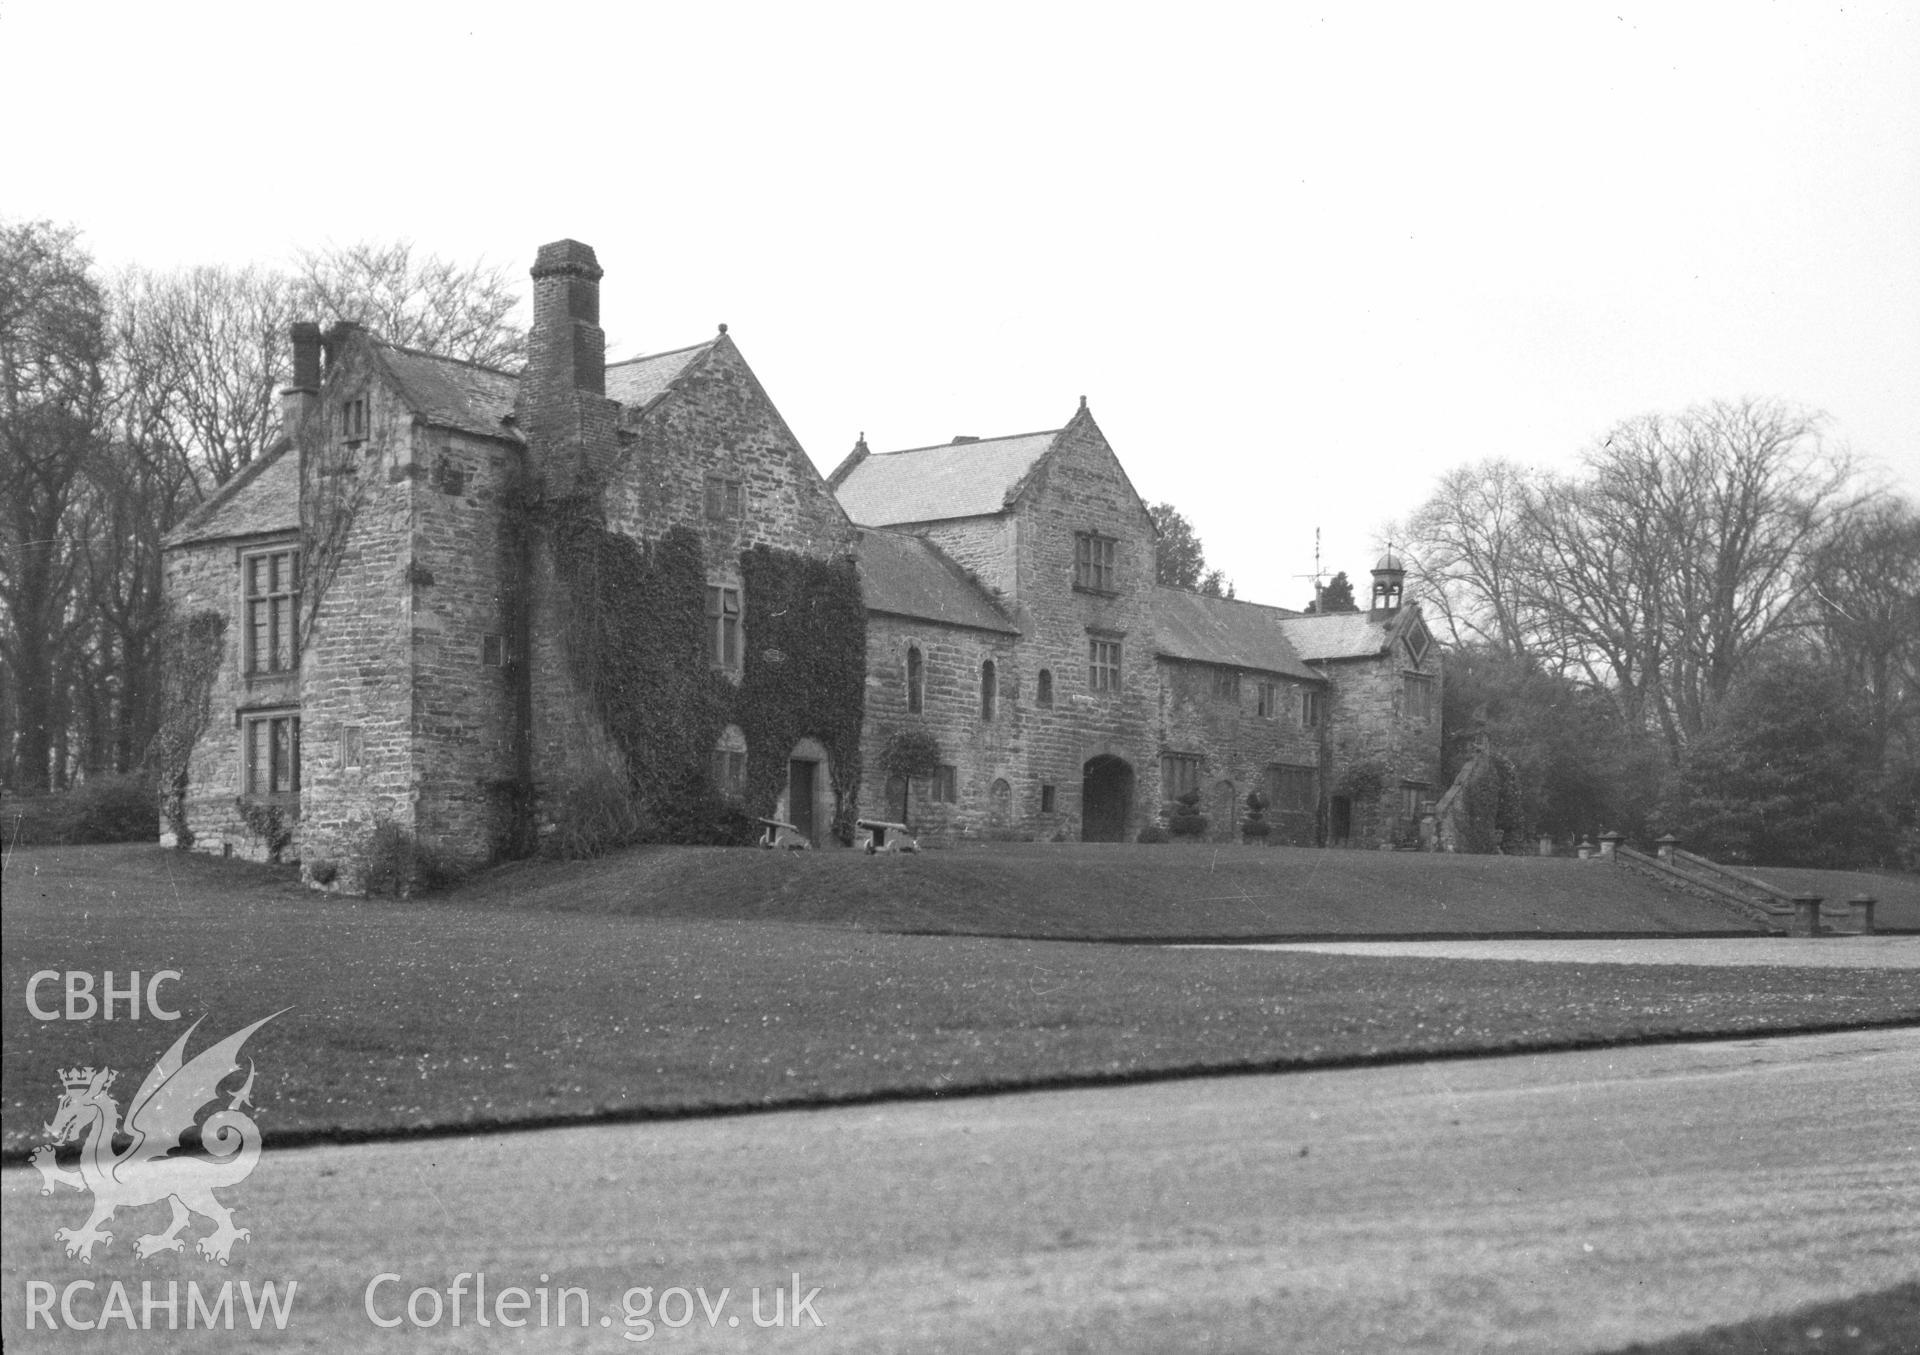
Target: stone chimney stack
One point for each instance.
(567, 349)
(562, 409)
(300, 398)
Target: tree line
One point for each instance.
(125, 401)
(1710, 626)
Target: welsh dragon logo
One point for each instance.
(169, 1100)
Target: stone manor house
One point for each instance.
(376, 612)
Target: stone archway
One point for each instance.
(1223, 813)
(1106, 799)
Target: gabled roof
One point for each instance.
(449, 393)
(638, 382)
(1225, 631)
(953, 480)
(1341, 635)
(262, 499)
(908, 576)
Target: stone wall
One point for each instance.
(357, 665)
(205, 577)
(461, 490)
(1369, 725)
(981, 751)
(1237, 745)
(1082, 488)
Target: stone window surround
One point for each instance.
(1096, 563)
(1417, 691)
(278, 607)
(725, 643)
(1180, 773)
(263, 750)
(1297, 777)
(354, 421)
(1103, 661)
(725, 498)
(916, 681)
(1268, 698)
(730, 763)
(1313, 708)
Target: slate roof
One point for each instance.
(1339, 635)
(638, 382)
(1225, 631)
(954, 480)
(264, 497)
(907, 576)
(449, 393)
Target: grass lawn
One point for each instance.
(1088, 890)
(472, 1011)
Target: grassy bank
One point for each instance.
(495, 1011)
(1091, 891)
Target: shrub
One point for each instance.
(593, 813)
(1188, 821)
(1256, 827)
(1153, 832)
(272, 824)
(104, 808)
(115, 809)
(398, 866)
(324, 872)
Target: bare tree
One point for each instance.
(1466, 548)
(202, 353)
(53, 346)
(416, 301)
(1863, 590)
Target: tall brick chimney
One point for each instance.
(300, 397)
(562, 407)
(567, 346)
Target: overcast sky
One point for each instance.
(1299, 258)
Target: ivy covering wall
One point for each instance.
(193, 647)
(637, 643)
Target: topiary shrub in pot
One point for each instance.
(1255, 827)
(1188, 822)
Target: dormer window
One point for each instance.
(1094, 562)
(353, 419)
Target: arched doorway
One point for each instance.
(1106, 799)
(1223, 813)
(807, 802)
(1341, 827)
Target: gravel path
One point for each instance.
(1826, 952)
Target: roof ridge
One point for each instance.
(1287, 612)
(445, 357)
(1002, 437)
(665, 353)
